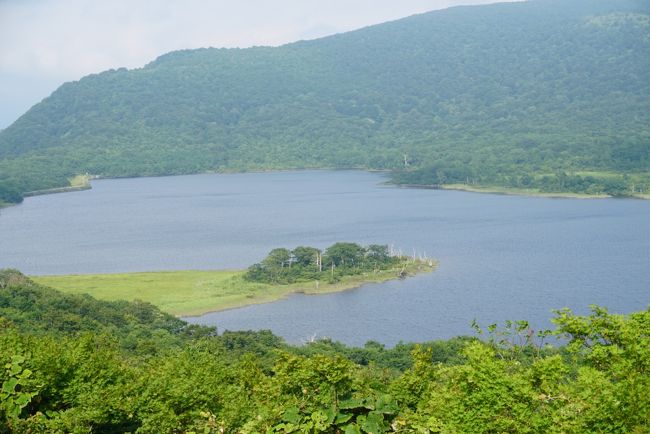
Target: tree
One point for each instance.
(378, 253)
(277, 259)
(345, 255)
(306, 256)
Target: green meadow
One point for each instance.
(192, 292)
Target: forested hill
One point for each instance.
(76, 364)
(515, 94)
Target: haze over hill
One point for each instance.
(520, 94)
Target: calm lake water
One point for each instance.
(501, 257)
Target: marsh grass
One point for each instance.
(519, 191)
(193, 292)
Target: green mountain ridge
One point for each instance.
(526, 94)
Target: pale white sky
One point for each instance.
(44, 43)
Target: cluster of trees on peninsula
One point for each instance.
(506, 94)
(73, 364)
(303, 263)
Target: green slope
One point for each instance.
(513, 94)
(73, 364)
(136, 325)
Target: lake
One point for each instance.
(501, 257)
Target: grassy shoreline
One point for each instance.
(82, 182)
(77, 183)
(535, 193)
(511, 191)
(194, 293)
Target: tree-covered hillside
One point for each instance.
(137, 326)
(529, 94)
(64, 367)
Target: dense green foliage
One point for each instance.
(507, 94)
(137, 326)
(75, 379)
(309, 263)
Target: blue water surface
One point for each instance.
(501, 257)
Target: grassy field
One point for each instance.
(80, 181)
(187, 293)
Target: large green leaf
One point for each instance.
(10, 385)
(373, 423)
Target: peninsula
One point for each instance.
(341, 267)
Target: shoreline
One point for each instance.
(193, 293)
(77, 183)
(55, 191)
(307, 288)
(82, 182)
(506, 191)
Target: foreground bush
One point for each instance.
(85, 379)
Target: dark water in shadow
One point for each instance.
(501, 257)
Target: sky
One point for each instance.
(44, 43)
